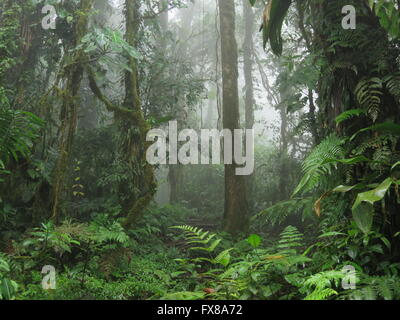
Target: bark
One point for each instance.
(134, 146)
(283, 170)
(135, 195)
(175, 171)
(312, 118)
(248, 64)
(248, 49)
(235, 215)
(69, 112)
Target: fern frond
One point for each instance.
(369, 92)
(321, 294)
(320, 163)
(194, 235)
(348, 115)
(392, 84)
(290, 238)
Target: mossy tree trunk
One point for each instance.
(235, 214)
(73, 74)
(134, 145)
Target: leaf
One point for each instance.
(276, 257)
(7, 289)
(4, 267)
(374, 195)
(348, 115)
(224, 257)
(343, 189)
(395, 165)
(363, 216)
(254, 240)
(214, 245)
(273, 17)
(317, 204)
(354, 160)
(331, 234)
(385, 127)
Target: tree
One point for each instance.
(235, 214)
(133, 145)
(248, 56)
(69, 110)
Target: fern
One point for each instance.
(320, 162)
(348, 115)
(18, 129)
(321, 283)
(111, 233)
(202, 239)
(392, 84)
(322, 294)
(369, 92)
(277, 213)
(373, 288)
(202, 242)
(290, 238)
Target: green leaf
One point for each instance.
(395, 165)
(224, 257)
(363, 215)
(348, 115)
(4, 267)
(385, 127)
(331, 234)
(274, 15)
(254, 240)
(8, 289)
(343, 189)
(374, 195)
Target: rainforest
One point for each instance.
(115, 116)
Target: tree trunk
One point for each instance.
(235, 215)
(134, 145)
(175, 171)
(248, 48)
(283, 158)
(69, 112)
